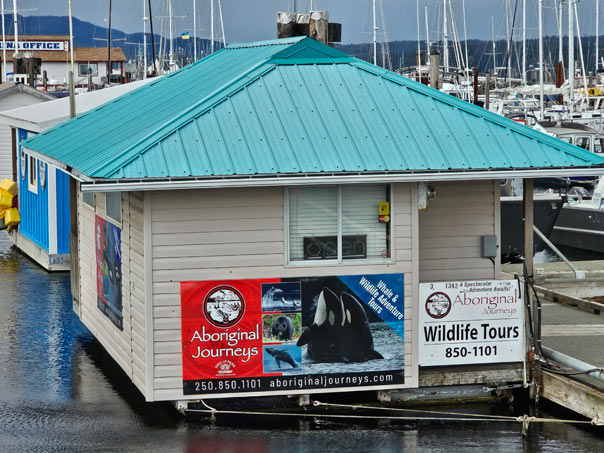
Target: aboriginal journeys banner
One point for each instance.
(272, 335)
(109, 270)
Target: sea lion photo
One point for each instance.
(281, 356)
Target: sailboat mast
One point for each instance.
(560, 39)
(152, 38)
(524, 39)
(465, 37)
(540, 60)
(171, 63)
(581, 51)
(571, 56)
(72, 102)
(494, 48)
(509, 41)
(3, 46)
(374, 35)
(597, 34)
(419, 49)
(109, 69)
(445, 39)
(221, 23)
(427, 34)
(145, 39)
(15, 27)
(211, 26)
(194, 32)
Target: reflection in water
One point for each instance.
(60, 391)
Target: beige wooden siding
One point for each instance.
(240, 233)
(450, 231)
(127, 346)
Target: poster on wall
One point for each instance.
(471, 322)
(314, 334)
(109, 270)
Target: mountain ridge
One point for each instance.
(402, 53)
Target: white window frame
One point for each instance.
(34, 169)
(93, 74)
(339, 261)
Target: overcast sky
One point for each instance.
(249, 20)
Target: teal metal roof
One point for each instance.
(288, 107)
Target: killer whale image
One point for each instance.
(339, 330)
(282, 328)
(281, 356)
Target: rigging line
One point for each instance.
(455, 38)
(462, 63)
(511, 39)
(385, 46)
(482, 54)
(424, 411)
(520, 419)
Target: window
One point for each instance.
(32, 183)
(583, 142)
(113, 206)
(84, 68)
(337, 223)
(88, 198)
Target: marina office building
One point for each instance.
(53, 50)
(284, 179)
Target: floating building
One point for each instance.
(280, 218)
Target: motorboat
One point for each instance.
(581, 222)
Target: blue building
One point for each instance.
(43, 233)
(44, 206)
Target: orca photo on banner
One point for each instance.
(109, 270)
(296, 334)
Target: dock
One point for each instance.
(572, 332)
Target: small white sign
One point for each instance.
(471, 322)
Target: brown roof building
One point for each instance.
(53, 50)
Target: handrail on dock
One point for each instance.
(579, 275)
(573, 364)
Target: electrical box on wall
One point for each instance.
(488, 246)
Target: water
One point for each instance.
(59, 391)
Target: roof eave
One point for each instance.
(125, 185)
(60, 165)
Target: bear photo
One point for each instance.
(281, 327)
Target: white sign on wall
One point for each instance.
(37, 45)
(471, 322)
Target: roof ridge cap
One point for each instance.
(266, 43)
